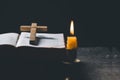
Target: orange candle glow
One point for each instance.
(71, 40)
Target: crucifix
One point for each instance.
(33, 29)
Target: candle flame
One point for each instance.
(72, 28)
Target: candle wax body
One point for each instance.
(71, 42)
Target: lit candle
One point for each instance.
(71, 40)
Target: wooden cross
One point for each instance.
(33, 29)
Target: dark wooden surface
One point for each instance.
(100, 63)
(97, 63)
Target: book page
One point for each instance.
(8, 39)
(45, 40)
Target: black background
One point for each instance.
(96, 22)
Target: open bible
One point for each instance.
(44, 40)
(49, 46)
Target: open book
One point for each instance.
(45, 40)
